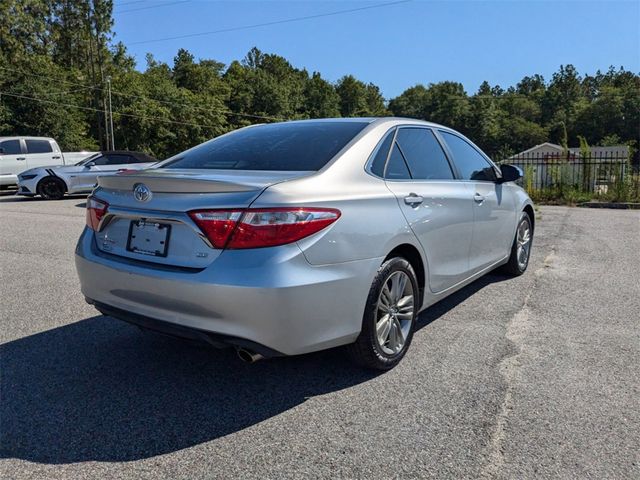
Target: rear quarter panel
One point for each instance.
(370, 225)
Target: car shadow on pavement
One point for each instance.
(439, 309)
(12, 197)
(101, 390)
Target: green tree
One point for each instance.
(353, 96)
(411, 103)
(321, 99)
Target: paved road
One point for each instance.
(510, 378)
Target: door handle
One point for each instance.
(413, 199)
(56, 157)
(21, 158)
(478, 198)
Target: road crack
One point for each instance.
(510, 368)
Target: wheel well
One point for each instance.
(411, 254)
(531, 214)
(51, 177)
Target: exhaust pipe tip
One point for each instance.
(248, 356)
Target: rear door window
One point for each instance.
(10, 147)
(396, 166)
(380, 154)
(424, 155)
(38, 146)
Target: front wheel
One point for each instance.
(521, 248)
(51, 188)
(389, 317)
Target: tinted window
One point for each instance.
(142, 158)
(99, 160)
(10, 147)
(471, 164)
(89, 159)
(424, 155)
(279, 146)
(118, 159)
(38, 146)
(396, 166)
(380, 154)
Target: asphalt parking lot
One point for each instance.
(531, 377)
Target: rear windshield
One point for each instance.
(279, 146)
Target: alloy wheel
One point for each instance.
(523, 242)
(394, 313)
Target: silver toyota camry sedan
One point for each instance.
(288, 238)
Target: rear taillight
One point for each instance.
(95, 211)
(217, 225)
(264, 227)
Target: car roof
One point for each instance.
(26, 137)
(125, 152)
(371, 121)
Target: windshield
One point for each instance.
(295, 146)
(88, 159)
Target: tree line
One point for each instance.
(57, 57)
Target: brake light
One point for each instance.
(95, 211)
(263, 227)
(217, 225)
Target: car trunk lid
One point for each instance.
(155, 227)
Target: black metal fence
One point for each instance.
(576, 177)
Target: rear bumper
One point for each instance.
(175, 330)
(8, 179)
(272, 297)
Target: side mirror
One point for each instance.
(90, 164)
(510, 173)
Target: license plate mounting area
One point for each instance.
(148, 238)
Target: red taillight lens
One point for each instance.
(257, 228)
(217, 225)
(279, 226)
(95, 211)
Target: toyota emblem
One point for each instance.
(141, 192)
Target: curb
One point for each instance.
(619, 206)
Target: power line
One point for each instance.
(141, 97)
(122, 4)
(151, 7)
(144, 117)
(275, 22)
(506, 95)
(69, 92)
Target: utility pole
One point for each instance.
(106, 122)
(113, 141)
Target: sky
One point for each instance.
(396, 44)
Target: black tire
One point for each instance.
(367, 351)
(513, 266)
(51, 188)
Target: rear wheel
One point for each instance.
(521, 248)
(389, 317)
(51, 188)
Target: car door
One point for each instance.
(137, 162)
(12, 161)
(41, 153)
(494, 209)
(87, 177)
(437, 207)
